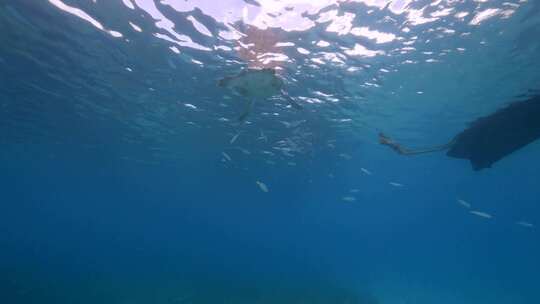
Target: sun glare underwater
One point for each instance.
(270, 151)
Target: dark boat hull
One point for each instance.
(490, 138)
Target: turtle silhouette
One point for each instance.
(256, 84)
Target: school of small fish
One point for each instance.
(226, 156)
(366, 171)
(464, 203)
(525, 224)
(288, 148)
(481, 214)
(262, 186)
(486, 215)
(234, 138)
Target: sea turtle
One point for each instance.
(256, 84)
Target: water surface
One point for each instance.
(127, 178)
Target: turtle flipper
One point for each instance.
(291, 101)
(294, 104)
(247, 110)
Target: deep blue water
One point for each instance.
(123, 179)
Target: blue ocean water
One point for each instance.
(126, 176)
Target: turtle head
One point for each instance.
(269, 70)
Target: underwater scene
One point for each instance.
(270, 151)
